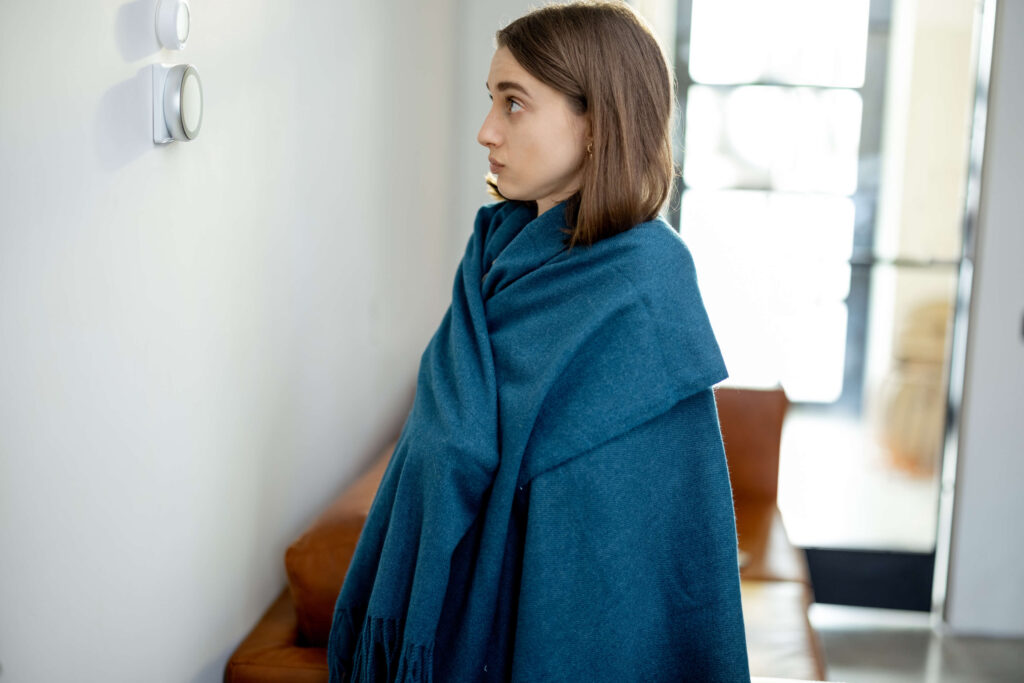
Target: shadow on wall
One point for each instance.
(124, 121)
(121, 133)
(136, 30)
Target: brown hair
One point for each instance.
(607, 62)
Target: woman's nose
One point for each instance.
(488, 134)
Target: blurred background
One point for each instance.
(825, 171)
(203, 342)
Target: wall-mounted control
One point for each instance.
(173, 19)
(177, 102)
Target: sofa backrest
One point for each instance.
(751, 421)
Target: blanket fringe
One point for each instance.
(380, 655)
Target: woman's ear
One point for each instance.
(588, 131)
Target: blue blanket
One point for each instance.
(558, 504)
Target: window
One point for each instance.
(772, 139)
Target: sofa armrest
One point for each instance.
(766, 552)
(271, 653)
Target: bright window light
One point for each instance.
(773, 138)
(774, 272)
(800, 42)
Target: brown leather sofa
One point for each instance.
(774, 581)
(289, 642)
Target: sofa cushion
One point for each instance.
(764, 544)
(780, 639)
(317, 561)
(270, 651)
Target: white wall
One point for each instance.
(986, 579)
(201, 344)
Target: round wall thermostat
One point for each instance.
(173, 19)
(183, 102)
(177, 103)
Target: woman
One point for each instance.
(558, 505)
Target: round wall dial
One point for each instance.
(177, 103)
(173, 20)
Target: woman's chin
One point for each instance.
(511, 192)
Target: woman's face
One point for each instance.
(537, 143)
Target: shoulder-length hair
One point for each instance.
(607, 62)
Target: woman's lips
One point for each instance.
(495, 167)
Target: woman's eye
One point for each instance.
(509, 103)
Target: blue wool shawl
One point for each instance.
(558, 505)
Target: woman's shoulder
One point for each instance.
(655, 261)
(650, 246)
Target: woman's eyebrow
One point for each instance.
(508, 85)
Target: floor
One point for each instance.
(865, 645)
(839, 488)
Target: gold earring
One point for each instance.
(590, 149)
